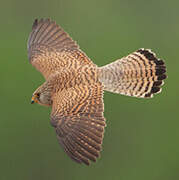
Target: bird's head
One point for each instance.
(42, 96)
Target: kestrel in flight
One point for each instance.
(74, 86)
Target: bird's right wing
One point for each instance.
(77, 116)
(50, 48)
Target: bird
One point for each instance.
(74, 86)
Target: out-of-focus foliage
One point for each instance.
(141, 138)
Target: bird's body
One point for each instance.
(74, 86)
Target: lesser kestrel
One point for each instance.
(74, 86)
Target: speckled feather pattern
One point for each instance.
(75, 86)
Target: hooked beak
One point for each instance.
(34, 99)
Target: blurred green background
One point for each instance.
(141, 138)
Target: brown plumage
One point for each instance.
(74, 86)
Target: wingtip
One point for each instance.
(35, 23)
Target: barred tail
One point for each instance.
(140, 74)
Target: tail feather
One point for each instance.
(139, 74)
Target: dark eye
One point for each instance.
(38, 94)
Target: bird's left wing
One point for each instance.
(51, 48)
(77, 116)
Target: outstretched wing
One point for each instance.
(77, 116)
(50, 48)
